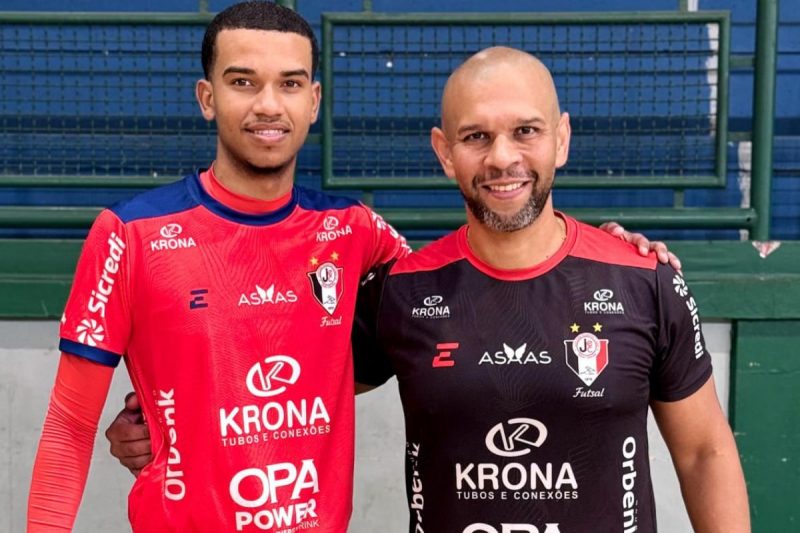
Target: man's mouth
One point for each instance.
(505, 188)
(271, 132)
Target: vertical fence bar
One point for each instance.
(327, 101)
(764, 114)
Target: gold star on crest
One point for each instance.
(314, 261)
(574, 328)
(598, 327)
(334, 256)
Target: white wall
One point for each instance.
(29, 356)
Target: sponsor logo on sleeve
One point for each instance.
(682, 290)
(105, 285)
(268, 417)
(432, 307)
(517, 475)
(171, 239)
(90, 332)
(382, 225)
(603, 303)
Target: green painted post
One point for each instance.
(764, 114)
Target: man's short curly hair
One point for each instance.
(256, 15)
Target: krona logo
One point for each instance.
(603, 295)
(170, 240)
(432, 308)
(330, 223)
(332, 231)
(170, 231)
(518, 440)
(271, 377)
(602, 304)
(430, 301)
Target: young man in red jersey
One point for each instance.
(233, 318)
(525, 400)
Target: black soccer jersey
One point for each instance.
(526, 392)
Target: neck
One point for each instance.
(521, 249)
(246, 180)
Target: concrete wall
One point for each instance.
(29, 359)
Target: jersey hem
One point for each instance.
(689, 390)
(98, 355)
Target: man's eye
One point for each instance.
(292, 84)
(527, 130)
(476, 136)
(241, 82)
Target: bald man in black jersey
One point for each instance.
(528, 347)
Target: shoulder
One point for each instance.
(161, 201)
(597, 245)
(434, 256)
(320, 201)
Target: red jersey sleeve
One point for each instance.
(65, 448)
(387, 243)
(96, 320)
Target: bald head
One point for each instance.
(493, 66)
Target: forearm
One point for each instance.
(65, 447)
(714, 491)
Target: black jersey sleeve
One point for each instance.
(371, 365)
(683, 363)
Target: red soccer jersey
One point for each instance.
(235, 329)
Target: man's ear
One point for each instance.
(441, 146)
(316, 95)
(563, 134)
(204, 92)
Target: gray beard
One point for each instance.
(507, 223)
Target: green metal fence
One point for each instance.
(647, 93)
(106, 100)
(100, 100)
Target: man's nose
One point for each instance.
(503, 153)
(267, 102)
